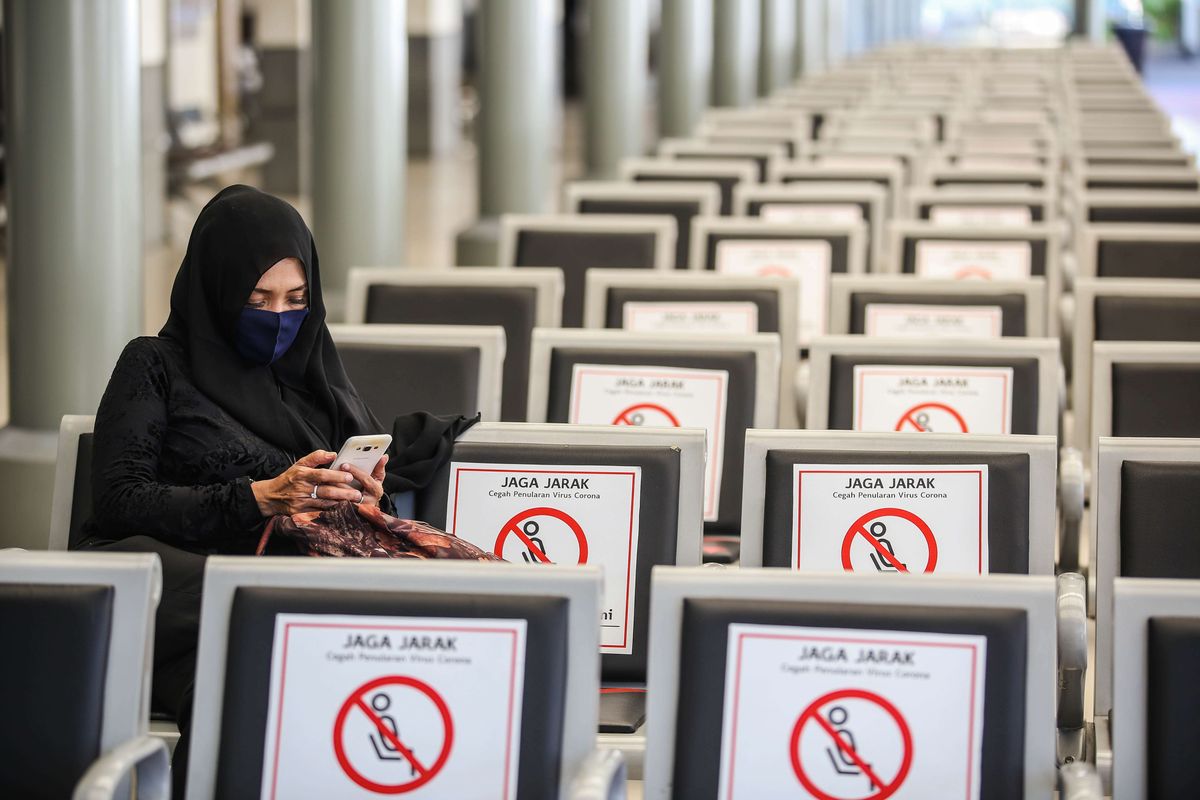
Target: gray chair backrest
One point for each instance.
(1019, 518)
(725, 174)
(669, 501)
(242, 674)
(516, 300)
(1156, 648)
(71, 504)
(1140, 251)
(76, 682)
(698, 651)
(442, 369)
(576, 243)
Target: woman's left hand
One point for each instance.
(372, 485)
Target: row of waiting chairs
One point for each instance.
(713, 637)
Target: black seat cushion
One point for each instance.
(766, 300)
(248, 672)
(81, 493)
(1024, 395)
(1012, 306)
(1148, 259)
(575, 252)
(514, 308)
(839, 246)
(1142, 184)
(1186, 214)
(908, 263)
(1155, 399)
(943, 180)
(399, 380)
(739, 413)
(622, 710)
(723, 182)
(1008, 499)
(1147, 319)
(1172, 705)
(704, 643)
(51, 685)
(681, 210)
(1160, 503)
(658, 520)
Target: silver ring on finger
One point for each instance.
(360, 496)
(314, 492)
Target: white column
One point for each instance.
(74, 229)
(835, 33)
(360, 96)
(1189, 26)
(735, 52)
(617, 51)
(685, 65)
(777, 49)
(810, 34)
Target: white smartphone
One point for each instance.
(363, 452)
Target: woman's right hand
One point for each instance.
(292, 492)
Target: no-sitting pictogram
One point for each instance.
(542, 535)
(647, 414)
(881, 529)
(386, 703)
(932, 418)
(828, 758)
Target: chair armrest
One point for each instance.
(801, 385)
(146, 754)
(1072, 648)
(1079, 781)
(1071, 487)
(602, 777)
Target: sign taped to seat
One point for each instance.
(690, 317)
(658, 397)
(849, 714)
(551, 514)
(809, 261)
(932, 399)
(890, 518)
(369, 706)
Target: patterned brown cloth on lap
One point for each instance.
(364, 531)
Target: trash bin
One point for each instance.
(1133, 41)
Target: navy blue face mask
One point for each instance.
(264, 336)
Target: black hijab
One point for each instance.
(304, 401)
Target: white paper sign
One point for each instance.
(690, 317)
(812, 213)
(538, 514)
(362, 707)
(1011, 216)
(981, 260)
(900, 320)
(851, 714)
(933, 399)
(809, 261)
(658, 397)
(890, 518)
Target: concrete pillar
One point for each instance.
(1091, 20)
(1189, 26)
(813, 43)
(777, 51)
(154, 137)
(360, 95)
(518, 125)
(685, 65)
(615, 72)
(735, 52)
(74, 229)
(435, 42)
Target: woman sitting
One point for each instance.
(230, 416)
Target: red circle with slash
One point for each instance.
(513, 528)
(812, 715)
(973, 272)
(860, 528)
(910, 417)
(773, 271)
(626, 416)
(425, 773)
